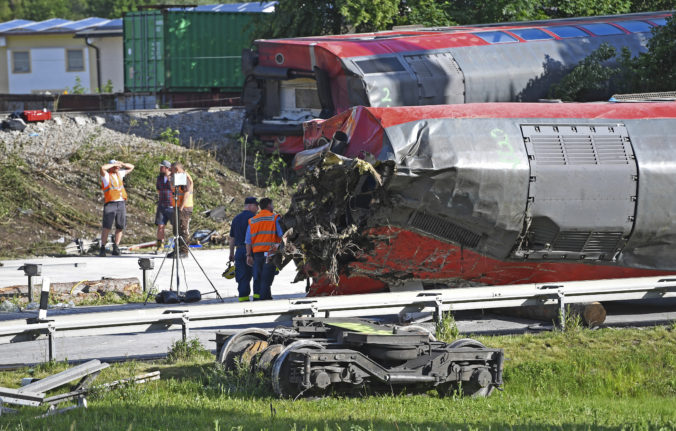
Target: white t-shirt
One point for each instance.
(105, 179)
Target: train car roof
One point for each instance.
(405, 40)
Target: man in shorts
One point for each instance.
(165, 202)
(115, 196)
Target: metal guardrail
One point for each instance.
(402, 303)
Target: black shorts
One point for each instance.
(164, 215)
(117, 212)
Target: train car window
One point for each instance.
(564, 31)
(602, 29)
(635, 26)
(531, 34)
(659, 21)
(380, 65)
(496, 37)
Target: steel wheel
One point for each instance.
(280, 368)
(240, 344)
(471, 388)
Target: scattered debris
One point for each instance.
(79, 291)
(334, 200)
(9, 307)
(33, 393)
(201, 236)
(217, 214)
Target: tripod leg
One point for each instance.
(206, 276)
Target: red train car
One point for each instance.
(495, 193)
(289, 81)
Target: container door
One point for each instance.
(143, 51)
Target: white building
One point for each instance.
(59, 55)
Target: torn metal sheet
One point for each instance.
(486, 194)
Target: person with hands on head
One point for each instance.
(114, 207)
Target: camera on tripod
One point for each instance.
(179, 179)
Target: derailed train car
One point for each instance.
(289, 81)
(495, 193)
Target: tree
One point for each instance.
(651, 71)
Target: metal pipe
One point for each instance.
(98, 62)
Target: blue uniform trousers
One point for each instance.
(243, 274)
(263, 275)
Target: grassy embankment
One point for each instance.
(603, 380)
(39, 206)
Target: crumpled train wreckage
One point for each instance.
(473, 194)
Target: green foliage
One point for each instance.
(447, 329)
(589, 80)
(107, 87)
(368, 15)
(171, 136)
(189, 350)
(429, 13)
(77, 88)
(595, 79)
(608, 379)
(242, 382)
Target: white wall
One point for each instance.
(48, 72)
(112, 67)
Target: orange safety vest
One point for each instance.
(181, 195)
(115, 189)
(263, 229)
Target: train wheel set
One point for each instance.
(323, 356)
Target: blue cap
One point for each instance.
(250, 200)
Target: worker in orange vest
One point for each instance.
(263, 237)
(115, 196)
(184, 203)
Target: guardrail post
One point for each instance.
(52, 343)
(562, 310)
(438, 311)
(185, 327)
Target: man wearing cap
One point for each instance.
(263, 237)
(165, 202)
(114, 195)
(243, 272)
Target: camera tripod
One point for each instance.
(177, 260)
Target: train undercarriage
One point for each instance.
(321, 356)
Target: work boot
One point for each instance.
(116, 250)
(102, 252)
(158, 246)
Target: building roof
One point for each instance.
(253, 7)
(58, 25)
(101, 27)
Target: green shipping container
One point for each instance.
(176, 50)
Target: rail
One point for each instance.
(186, 317)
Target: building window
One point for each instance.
(74, 60)
(21, 62)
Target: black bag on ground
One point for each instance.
(193, 295)
(167, 297)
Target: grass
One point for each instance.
(603, 380)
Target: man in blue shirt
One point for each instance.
(238, 228)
